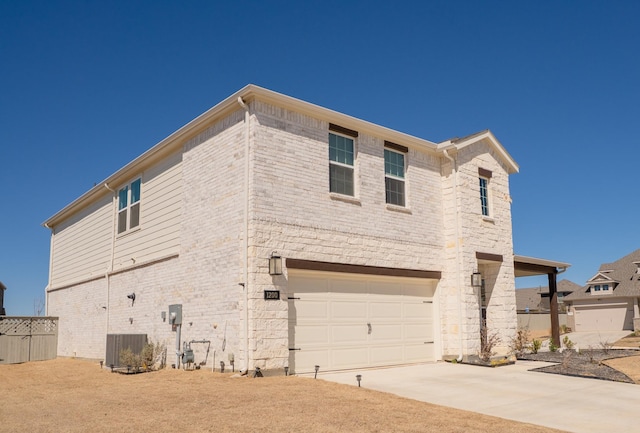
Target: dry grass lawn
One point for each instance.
(65, 395)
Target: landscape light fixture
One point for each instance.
(286, 371)
(476, 280)
(358, 378)
(317, 368)
(275, 264)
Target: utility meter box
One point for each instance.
(175, 314)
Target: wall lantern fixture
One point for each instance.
(275, 264)
(476, 280)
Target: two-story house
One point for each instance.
(291, 235)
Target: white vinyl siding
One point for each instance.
(82, 245)
(160, 220)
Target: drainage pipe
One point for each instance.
(457, 233)
(246, 232)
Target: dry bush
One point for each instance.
(520, 343)
(487, 343)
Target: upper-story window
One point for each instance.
(601, 288)
(484, 177)
(341, 160)
(129, 206)
(394, 172)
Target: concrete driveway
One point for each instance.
(512, 392)
(595, 339)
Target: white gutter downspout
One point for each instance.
(457, 231)
(246, 233)
(107, 273)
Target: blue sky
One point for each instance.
(86, 86)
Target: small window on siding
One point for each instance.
(341, 157)
(394, 177)
(129, 206)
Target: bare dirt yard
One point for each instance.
(65, 395)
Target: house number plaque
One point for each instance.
(272, 295)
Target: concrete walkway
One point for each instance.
(511, 392)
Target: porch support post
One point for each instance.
(553, 304)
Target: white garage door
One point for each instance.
(603, 318)
(342, 321)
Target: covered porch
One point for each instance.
(525, 266)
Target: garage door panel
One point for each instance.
(348, 310)
(305, 360)
(310, 335)
(417, 352)
(355, 334)
(307, 310)
(385, 310)
(387, 355)
(349, 357)
(418, 331)
(417, 310)
(385, 332)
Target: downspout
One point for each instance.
(457, 232)
(246, 232)
(107, 274)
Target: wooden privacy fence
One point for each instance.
(24, 339)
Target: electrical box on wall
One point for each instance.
(175, 314)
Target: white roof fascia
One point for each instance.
(174, 142)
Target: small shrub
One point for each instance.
(552, 346)
(129, 359)
(605, 346)
(566, 358)
(487, 343)
(152, 354)
(563, 329)
(520, 343)
(567, 343)
(536, 345)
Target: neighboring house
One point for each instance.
(536, 299)
(609, 300)
(373, 235)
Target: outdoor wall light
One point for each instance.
(476, 279)
(275, 264)
(132, 297)
(358, 378)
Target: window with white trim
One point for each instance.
(394, 177)
(129, 206)
(341, 158)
